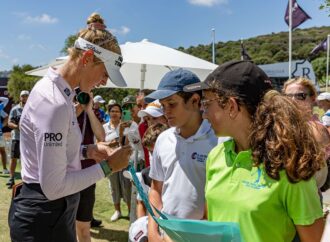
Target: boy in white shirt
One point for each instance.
(178, 166)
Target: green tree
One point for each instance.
(69, 42)
(19, 81)
(326, 6)
(319, 67)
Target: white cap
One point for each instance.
(153, 109)
(112, 61)
(24, 92)
(138, 230)
(112, 102)
(326, 119)
(98, 99)
(324, 96)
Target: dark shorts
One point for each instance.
(15, 153)
(86, 204)
(34, 218)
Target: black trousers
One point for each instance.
(34, 218)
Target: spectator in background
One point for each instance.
(119, 185)
(107, 115)
(13, 123)
(304, 93)
(143, 125)
(153, 114)
(140, 102)
(98, 101)
(148, 141)
(323, 101)
(130, 109)
(3, 103)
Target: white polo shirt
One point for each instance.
(51, 139)
(180, 164)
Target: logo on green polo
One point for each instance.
(256, 184)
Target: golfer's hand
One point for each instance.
(119, 158)
(98, 152)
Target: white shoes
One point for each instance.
(115, 216)
(5, 171)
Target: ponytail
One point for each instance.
(282, 139)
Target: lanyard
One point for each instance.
(83, 127)
(143, 194)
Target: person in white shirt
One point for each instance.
(45, 207)
(120, 186)
(13, 123)
(323, 101)
(177, 169)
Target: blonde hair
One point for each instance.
(96, 33)
(303, 82)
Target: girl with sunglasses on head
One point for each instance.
(304, 93)
(51, 150)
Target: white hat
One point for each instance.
(324, 96)
(112, 61)
(24, 92)
(326, 119)
(98, 99)
(112, 102)
(138, 231)
(153, 109)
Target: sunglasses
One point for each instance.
(205, 102)
(301, 96)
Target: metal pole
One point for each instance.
(327, 78)
(213, 45)
(143, 75)
(290, 37)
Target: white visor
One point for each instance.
(111, 60)
(153, 109)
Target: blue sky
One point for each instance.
(33, 31)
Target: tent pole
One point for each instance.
(143, 75)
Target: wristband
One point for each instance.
(106, 168)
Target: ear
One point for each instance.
(233, 108)
(87, 56)
(195, 99)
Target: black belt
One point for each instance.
(34, 186)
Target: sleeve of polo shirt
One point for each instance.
(51, 123)
(156, 169)
(302, 202)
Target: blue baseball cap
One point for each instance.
(171, 83)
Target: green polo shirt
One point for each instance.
(266, 210)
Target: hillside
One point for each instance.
(271, 48)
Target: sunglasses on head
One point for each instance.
(298, 96)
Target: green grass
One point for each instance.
(103, 209)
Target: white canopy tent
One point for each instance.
(145, 63)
